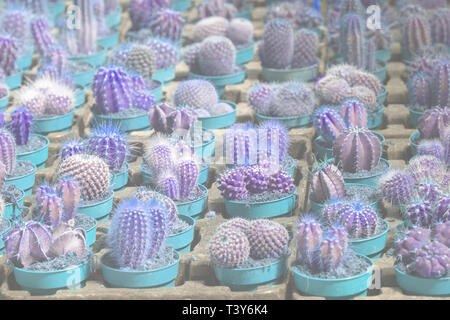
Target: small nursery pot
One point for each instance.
(80, 97)
(38, 156)
(181, 242)
(165, 76)
(120, 179)
(14, 81)
(196, 207)
(4, 102)
(53, 124)
(414, 117)
(375, 119)
(84, 78)
(221, 81)
(203, 175)
(262, 209)
(110, 41)
(381, 98)
(100, 210)
(147, 175)
(162, 277)
(25, 182)
(206, 149)
(288, 122)
(2, 244)
(414, 142)
(381, 72)
(113, 19)
(220, 121)
(95, 59)
(47, 283)
(248, 279)
(129, 123)
(371, 247)
(383, 55)
(180, 5)
(91, 235)
(246, 54)
(422, 286)
(157, 90)
(11, 211)
(371, 180)
(346, 288)
(281, 75)
(24, 62)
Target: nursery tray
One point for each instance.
(220, 121)
(182, 241)
(300, 74)
(37, 157)
(288, 122)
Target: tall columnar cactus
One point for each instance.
(327, 183)
(72, 147)
(440, 26)
(187, 172)
(397, 187)
(240, 145)
(351, 6)
(329, 123)
(86, 35)
(137, 232)
(9, 54)
(441, 84)
(370, 60)
(141, 59)
(167, 24)
(432, 148)
(240, 31)
(69, 191)
(277, 47)
(51, 209)
(419, 89)
(211, 26)
(217, 56)
(432, 260)
(293, 99)
(353, 41)
(141, 11)
(144, 194)
(7, 150)
(308, 233)
(113, 90)
(423, 168)
(306, 44)
(332, 89)
(15, 23)
(21, 121)
(357, 149)
(159, 155)
(273, 142)
(91, 173)
(260, 98)
(42, 36)
(354, 113)
(267, 239)
(109, 143)
(166, 53)
(232, 185)
(229, 248)
(433, 122)
(416, 34)
(57, 57)
(195, 93)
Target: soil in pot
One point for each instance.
(34, 143)
(363, 193)
(265, 196)
(178, 226)
(255, 263)
(197, 193)
(22, 168)
(61, 262)
(379, 168)
(10, 193)
(86, 203)
(132, 112)
(84, 222)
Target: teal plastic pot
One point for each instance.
(375, 119)
(316, 208)
(100, 210)
(414, 142)
(196, 207)
(422, 286)
(25, 182)
(130, 123)
(221, 81)
(262, 209)
(249, 279)
(53, 124)
(95, 60)
(162, 277)
(203, 175)
(206, 149)
(157, 90)
(346, 288)
(4, 102)
(146, 175)
(80, 98)
(110, 41)
(14, 81)
(383, 55)
(300, 74)
(113, 19)
(246, 54)
(47, 283)
(120, 179)
(371, 247)
(2, 244)
(182, 241)
(91, 235)
(38, 156)
(56, 8)
(165, 76)
(414, 117)
(381, 73)
(24, 62)
(84, 78)
(220, 121)
(11, 211)
(381, 98)
(371, 180)
(288, 122)
(180, 5)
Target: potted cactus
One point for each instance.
(94, 178)
(214, 59)
(415, 30)
(287, 55)
(174, 171)
(325, 265)
(140, 260)
(258, 191)
(218, 8)
(291, 103)
(46, 259)
(32, 147)
(247, 254)
(8, 62)
(201, 95)
(167, 24)
(141, 12)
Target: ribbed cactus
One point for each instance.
(419, 213)
(446, 143)
(267, 239)
(91, 173)
(429, 190)
(240, 31)
(416, 34)
(293, 99)
(37, 7)
(440, 26)
(112, 89)
(353, 42)
(240, 224)
(217, 56)
(195, 93)
(141, 11)
(433, 122)
(66, 240)
(159, 155)
(21, 121)
(42, 35)
(308, 234)
(366, 96)
(260, 98)
(329, 123)
(397, 187)
(7, 150)
(229, 248)
(354, 113)
(69, 191)
(16, 23)
(432, 260)
(308, 17)
(232, 185)
(211, 26)
(273, 142)
(419, 89)
(167, 24)
(432, 148)
(357, 149)
(9, 54)
(360, 220)
(441, 84)
(277, 48)
(166, 119)
(141, 59)
(370, 60)
(166, 53)
(57, 58)
(186, 172)
(72, 147)
(441, 232)
(351, 6)
(240, 145)
(257, 179)
(110, 144)
(423, 168)
(327, 183)
(51, 209)
(332, 89)
(306, 44)
(144, 194)
(218, 8)
(281, 182)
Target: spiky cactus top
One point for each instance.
(276, 50)
(329, 123)
(433, 122)
(167, 24)
(416, 33)
(353, 43)
(327, 183)
(7, 151)
(10, 54)
(141, 12)
(196, 93)
(168, 120)
(21, 120)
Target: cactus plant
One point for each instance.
(327, 183)
(67, 240)
(167, 24)
(432, 260)
(267, 239)
(354, 113)
(293, 99)
(166, 119)
(83, 40)
(186, 172)
(260, 98)
(42, 36)
(419, 89)
(364, 79)
(353, 42)
(423, 168)
(366, 96)
(9, 50)
(7, 150)
(397, 186)
(419, 213)
(216, 8)
(415, 238)
(217, 56)
(16, 23)
(441, 232)
(232, 185)
(51, 209)
(440, 84)
(306, 44)
(332, 89)
(308, 233)
(141, 59)
(21, 120)
(240, 145)
(159, 155)
(142, 11)
(440, 26)
(433, 148)
(308, 17)
(329, 123)
(229, 248)
(211, 26)
(69, 191)
(240, 31)
(277, 47)
(196, 93)
(416, 33)
(72, 147)
(166, 53)
(57, 58)
(281, 182)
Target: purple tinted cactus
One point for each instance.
(240, 31)
(9, 54)
(281, 182)
(72, 147)
(331, 209)
(293, 99)
(429, 190)
(7, 150)
(15, 23)
(332, 89)
(196, 93)
(277, 47)
(267, 239)
(397, 186)
(112, 89)
(351, 6)
(211, 26)
(366, 96)
(51, 209)
(260, 98)
(329, 123)
(144, 194)
(370, 60)
(109, 143)
(441, 84)
(159, 155)
(357, 149)
(432, 148)
(420, 213)
(38, 7)
(43, 191)
(273, 142)
(229, 248)
(441, 232)
(69, 191)
(165, 52)
(364, 79)
(42, 35)
(167, 24)
(217, 56)
(67, 240)
(415, 238)
(141, 11)
(424, 168)
(432, 260)
(28, 243)
(446, 144)
(257, 179)
(327, 183)
(308, 234)
(143, 100)
(440, 26)
(141, 59)
(240, 145)
(240, 224)
(232, 185)
(354, 113)
(360, 220)
(168, 185)
(415, 34)
(21, 121)
(57, 57)
(308, 17)
(50, 97)
(329, 255)
(306, 44)
(433, 122)
(353, 43)
(216, 8)
(165, 119)
(187, 172)
(443, 209)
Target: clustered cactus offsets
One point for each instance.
(168, 120)
(298, 14)
(218, 8)
(239, 242)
